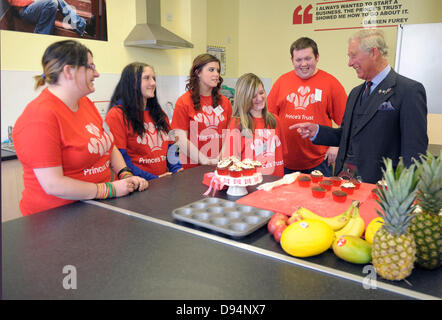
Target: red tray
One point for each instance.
(287, 198)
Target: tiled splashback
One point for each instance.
(17, 90)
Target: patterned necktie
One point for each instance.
(366, 91)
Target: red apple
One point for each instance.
(276, 217)
(278, 232)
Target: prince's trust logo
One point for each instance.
(152, 137)
(99, 144)
(302, 99)
(209, 117)
(265, 143)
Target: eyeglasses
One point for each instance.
(91, 66)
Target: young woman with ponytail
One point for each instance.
(66, 152)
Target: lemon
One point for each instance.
(307, 238)
(372, 227)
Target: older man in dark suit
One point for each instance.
(386, 116)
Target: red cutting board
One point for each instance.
(287, 198)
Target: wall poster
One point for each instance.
(220, 53)
(68, 18)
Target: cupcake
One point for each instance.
(356, 182)
(248, 161)
(304, 181)
(327, 184)
(235, 171)
(247, 169)
(339, 196)
(223, 167)
(234, 159)
(257, 164)
(336, 181)
(316, 176)
(348, 187)
(318, 192)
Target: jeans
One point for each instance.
(44, 12)
(326, 170)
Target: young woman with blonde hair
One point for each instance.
(254, 132)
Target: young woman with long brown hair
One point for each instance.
(201, 114)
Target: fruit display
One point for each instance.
(336, 223)
(307, 237)
(352, 249)
(355, 226)
(372, 227)
(426, 223)
(393, 249)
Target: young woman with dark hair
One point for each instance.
(66, 152)
(140, 126)
(201, 114)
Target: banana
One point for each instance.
(356, 225)
(336, 223)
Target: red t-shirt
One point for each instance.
(49, 134)
(318, 99)
(20, 3)
(204, 127)
(266, 145)
(149, 151)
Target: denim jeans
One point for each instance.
(43, 13)
(326, 170)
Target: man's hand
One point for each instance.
(306, 129)
(331, 154)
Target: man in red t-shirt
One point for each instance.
(307, 94)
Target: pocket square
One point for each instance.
(386, 106)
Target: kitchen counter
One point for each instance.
(8, 155)
(132, 248)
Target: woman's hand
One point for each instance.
(130, 184)
(165, 174)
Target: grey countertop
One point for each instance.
(132, 248)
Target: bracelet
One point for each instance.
(124, 173)
(105, 191)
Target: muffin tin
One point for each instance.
(223, 216)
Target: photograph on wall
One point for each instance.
(220, 53)
(68, 18)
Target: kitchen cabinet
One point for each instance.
(12, 187)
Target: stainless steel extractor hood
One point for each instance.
(151, 34)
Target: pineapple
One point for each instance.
(394, 249)
(426, 224)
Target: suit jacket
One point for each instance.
(394, 125)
